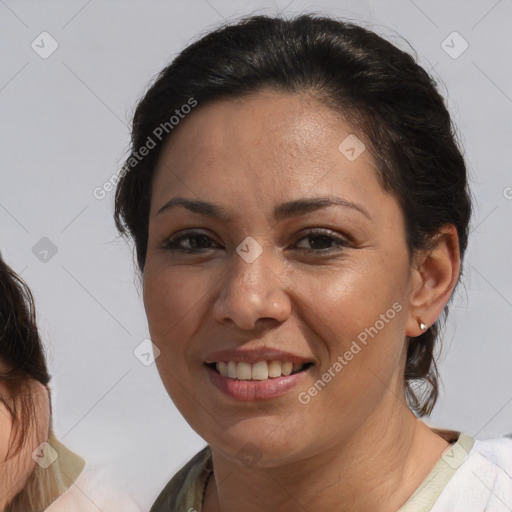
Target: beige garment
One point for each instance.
(423, 499)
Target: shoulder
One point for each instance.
(184, 490)
(483, 481)
(497, 451)
(91, 492)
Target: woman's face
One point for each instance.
(323, 285)
(15, 470)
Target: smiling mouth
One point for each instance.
(260, 371)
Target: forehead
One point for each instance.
(262, 145)
(264, 124)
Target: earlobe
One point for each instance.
(435, 274)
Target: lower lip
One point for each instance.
(250, 390)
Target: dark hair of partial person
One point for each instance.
(21, 349)
(378, 88)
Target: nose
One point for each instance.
(251, 292)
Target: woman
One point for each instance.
(300, 210)
(37, 472)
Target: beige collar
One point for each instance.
(70, 465)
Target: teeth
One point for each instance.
(222, 368)
(231, 373)
(287, 368)
(243, 371)
(261, 370)
(274, 369)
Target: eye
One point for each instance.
(322, 241)
(197, 242)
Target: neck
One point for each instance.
(378, 468)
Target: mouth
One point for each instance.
(260, 371)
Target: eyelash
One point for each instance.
(173, 244)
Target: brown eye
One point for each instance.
(195, 242)
(321, 240)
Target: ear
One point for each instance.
(434, 275)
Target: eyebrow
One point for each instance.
(282, 211)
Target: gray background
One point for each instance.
(64, 132)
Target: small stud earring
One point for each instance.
(422, 326)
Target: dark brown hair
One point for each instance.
(21, 349)
(375, 85)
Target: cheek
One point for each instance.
(169, 296)
(5, 431)
(173, 306)
(15, 471)
(5, 419)
(363, 358)
(176, 306)
(359, 314)
(354, 298)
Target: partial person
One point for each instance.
(37, 472)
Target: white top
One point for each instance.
(91, 493)
(471, 476)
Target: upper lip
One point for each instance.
(253, 356)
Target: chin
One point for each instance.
(259, 450)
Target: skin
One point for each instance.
(356, 446)
(15, 470)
